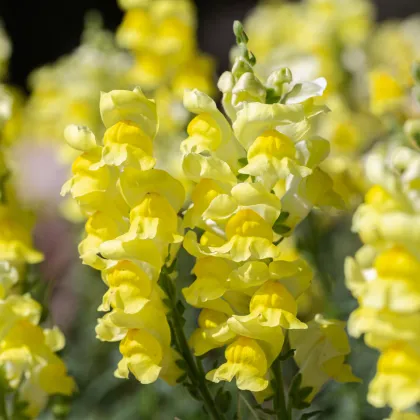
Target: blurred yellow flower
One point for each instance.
(320, 353)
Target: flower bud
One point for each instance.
(80, 137)
(226, 82)
(278, 78)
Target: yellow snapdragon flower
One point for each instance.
(256, 177)
(320, 353)
(386, 93)
(246, 361)
(27, 353)
(383, 275)
(396, 382)
(129, 242)
(15, 237)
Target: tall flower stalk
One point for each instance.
(384, 273)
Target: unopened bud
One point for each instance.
(278, 78)
(238, 30)
(240, 67)
(80, 137)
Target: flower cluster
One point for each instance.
(132, 238)
(255, 178)
(332, 44)
(161, 36)
(29, 365)
(384, 273)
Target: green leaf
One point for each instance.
(302, 405)
(171, 268)
(223, 399)
(243, 162)
(180, 307)
(182, 378)
(242, 177)
(287, 355)
(294, 387)
(252, 59)
(192, 390)
(305, 392)
(167, 302)
(279, 241)
(310, 415)
(282, 217)
(271, 97)
(281, 229)
(181, 364)
(167, 285)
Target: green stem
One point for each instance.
(3, 406)
(248, 405)
(290, 409)
(194, 369)
(238, 406)
(279, 396)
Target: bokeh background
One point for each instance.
(42, 31)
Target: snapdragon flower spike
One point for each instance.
(28, 359)
(256, 177)
(315, 52)
(129, 243)
(383, 275)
